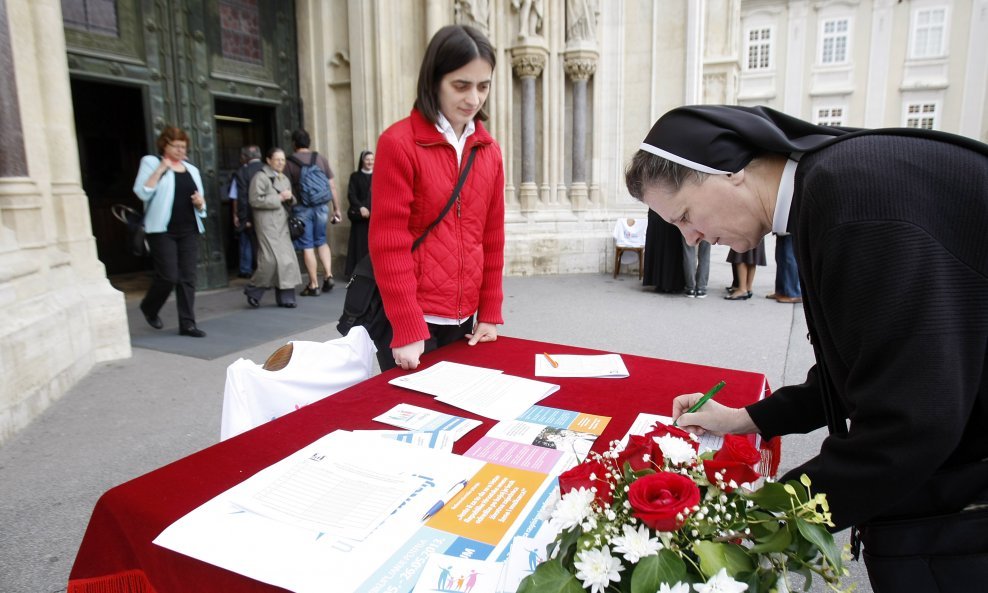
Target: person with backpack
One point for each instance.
(314, 185)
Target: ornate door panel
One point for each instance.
(185, 54)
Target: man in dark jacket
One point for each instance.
(890, 232)
(243, 221)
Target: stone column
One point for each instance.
(528, 62)
(580, 66)
(12, 161)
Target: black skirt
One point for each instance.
(663, 256)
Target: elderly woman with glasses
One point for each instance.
(171, 189)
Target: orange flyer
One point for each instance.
(490, 503)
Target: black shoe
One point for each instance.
(287, 305)
(309, 291)
(153, 320)
(193, 331)
(328, 284)
(701, 293)
(244, 275)
(738, 296)
(253, 303)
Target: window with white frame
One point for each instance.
(921, 115)
(834, 41)
(929, 32)
(758, 46)
(829, 116)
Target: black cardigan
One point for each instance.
(891, 236)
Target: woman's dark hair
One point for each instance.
(272, 150)
(168, 135)
(451, 48)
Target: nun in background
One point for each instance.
(889, 228)
(359, 210)
(663, 259)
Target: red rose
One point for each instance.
(656, 499)
(661, 430)
(634, 453)
(579, 477)
(734, 461)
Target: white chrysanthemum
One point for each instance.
(677, 588)
(636, 544)
(675, 449)
(597, 568)
(720, 583)
(572, 508)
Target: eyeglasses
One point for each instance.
(177, 146)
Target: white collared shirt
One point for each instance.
(446, 129)
(783, 202)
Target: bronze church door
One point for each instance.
(142, 64)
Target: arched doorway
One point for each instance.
(190, 63)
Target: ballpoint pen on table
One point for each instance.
(554, 364)
(699, 403)
(453, 491)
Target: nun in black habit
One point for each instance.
(663, 261)
(359, 196)
(890, 228)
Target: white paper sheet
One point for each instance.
(608, 366)
(485, 392)
(644, 423)
(412, 417)
(307, 561)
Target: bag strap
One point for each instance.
(312, 159)
(452, 199)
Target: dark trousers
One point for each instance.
(439, 336)
(786, 272)
(174, 257)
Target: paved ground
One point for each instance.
(131, 416)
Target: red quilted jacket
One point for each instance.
(456, 271)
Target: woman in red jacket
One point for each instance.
(432, 294)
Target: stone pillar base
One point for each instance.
(528, 195)
(579, 196)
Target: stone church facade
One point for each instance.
(88, 84)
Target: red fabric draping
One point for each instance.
(117, 556)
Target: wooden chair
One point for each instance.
(621, 243)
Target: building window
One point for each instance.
(929, 32)
(833, 50)
(240, 24)
(830, 116)
(921, 115)
(759, 48)
(91, 16)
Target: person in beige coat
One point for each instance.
(277, 266)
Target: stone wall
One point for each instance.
(58, 313)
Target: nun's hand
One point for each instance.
(712, 417)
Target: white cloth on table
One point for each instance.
(253, 395)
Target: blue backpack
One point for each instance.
(313, 183)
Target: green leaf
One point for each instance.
(651, 572)
(772, 497)
(550, 577)
(776, 542)
(717, 555)
(822, 539)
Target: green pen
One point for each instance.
(706, 396)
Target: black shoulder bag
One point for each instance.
(363, 305)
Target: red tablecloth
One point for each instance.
(116, 554)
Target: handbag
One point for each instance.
(296, 226)
(363, 304)
(137, 243)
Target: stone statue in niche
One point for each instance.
(529, 17)
(475, 13)
(581, 20)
